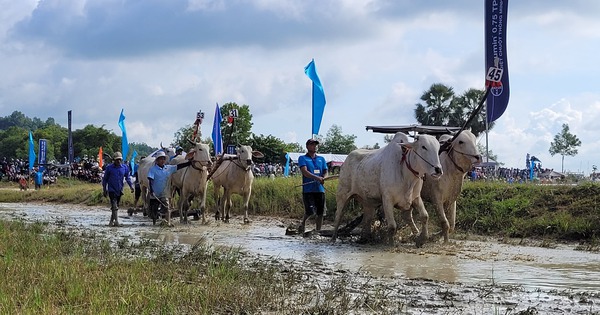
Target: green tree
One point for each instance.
(436, 109)
(295, 147)
(442, 107)
(565, 143)
(273, 148)
(14, 143)
(239, 132)
(57, 141)
(18, 119)
(336, 142)
(463, 106)
(182, 136)
(88, 140)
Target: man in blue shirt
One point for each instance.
(314, 170)
(38, 180)
(158, 175)
(112, 185)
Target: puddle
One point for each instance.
(468, 262)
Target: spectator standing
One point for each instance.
(112, 185)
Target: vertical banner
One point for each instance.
(31, 152)
(100, 158)
(496, 62)
(124, 142)
(216, 132)
(318, 97)
(42, 154)
(70, 144)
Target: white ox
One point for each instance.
(191, 181)
(143, 168)
(390, 177)
(234, 174)
(457, 158)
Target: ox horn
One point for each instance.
(191, 142)
(161, 146)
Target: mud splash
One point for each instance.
(550, 279)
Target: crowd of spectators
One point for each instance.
(17, 170)
(509, 175)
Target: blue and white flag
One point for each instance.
(318, 97)
(496, 62)
(216, 132)
(124, 142)
(31, 151)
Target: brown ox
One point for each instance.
(234, 174)
(191, 181)
(390, 177)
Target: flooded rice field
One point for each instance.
(486, 276)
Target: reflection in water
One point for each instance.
(474, 262)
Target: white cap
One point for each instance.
(160, 153)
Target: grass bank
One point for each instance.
(48, 271)
(561, 212)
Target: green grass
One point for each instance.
(48, 271)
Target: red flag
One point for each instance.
(100, 161)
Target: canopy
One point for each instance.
(430, 130)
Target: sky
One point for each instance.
(162, 61)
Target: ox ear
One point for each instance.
(190, 155)
(257, 154)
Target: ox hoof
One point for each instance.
(420, 241)
(247, 221)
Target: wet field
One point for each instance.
(485, 276)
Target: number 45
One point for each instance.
(494, 74)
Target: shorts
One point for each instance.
(314, 203)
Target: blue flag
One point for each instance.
(124, 142)
(286, 170)
(318, 97)
(216, 132)
(496, 12)
(31, 151)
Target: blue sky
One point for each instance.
(162, 61)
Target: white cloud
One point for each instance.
(164, 61)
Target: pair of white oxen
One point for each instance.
(233, 173)
(401, 175)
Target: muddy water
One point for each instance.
(468, 262)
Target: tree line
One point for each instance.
(439, 106)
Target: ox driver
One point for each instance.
(314, 170)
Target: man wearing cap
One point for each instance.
(158, 175)
(112, 185)
(314, 170)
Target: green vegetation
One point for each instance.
(561, 212)
(68, 272)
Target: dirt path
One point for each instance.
(464, 277)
